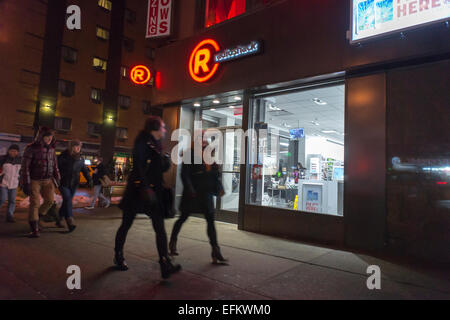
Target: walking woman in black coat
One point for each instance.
(143, 193)
(201, 182)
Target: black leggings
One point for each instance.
(158, 226)
(211, 229)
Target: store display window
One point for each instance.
(298, 155)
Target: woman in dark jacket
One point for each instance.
(70, 164)
(143, 193)
(201, 182)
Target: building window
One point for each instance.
(130, 16)
(99, 64)
(69, 54)
(105, 4)
(62, 124)
(121, 133)
(150, 53)
(96, 95)
(148, 109)
(124, 72)
(94, 129)
(218, 11)
(296, 156)
(66, 88)
(124, 102)
(102, 33)
(128, 44)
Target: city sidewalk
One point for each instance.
(260, 267)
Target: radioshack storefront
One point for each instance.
(347, 137)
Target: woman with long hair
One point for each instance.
(201, 182)
(143, 193)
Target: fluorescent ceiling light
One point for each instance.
(328, 131)
(231, 107)
(212, 109)
(335, 142)
(319, 102)
(237, 98)
(216, 101)
(196, 104)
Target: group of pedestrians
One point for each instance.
(41, 171)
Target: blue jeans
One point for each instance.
(9, 194)
(98, 194)
(66, 208)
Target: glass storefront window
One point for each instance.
(297, 159)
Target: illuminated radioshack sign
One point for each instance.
(205, 58)
(238, 52)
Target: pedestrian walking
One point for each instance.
(39, 176)
(71, 164)
(98, 177)
(9, 179)
(201, 182)
(144, 191)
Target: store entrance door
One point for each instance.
(226, 118)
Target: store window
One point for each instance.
(296, 160)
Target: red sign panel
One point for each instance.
(159, 18)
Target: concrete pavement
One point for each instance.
(260, 267)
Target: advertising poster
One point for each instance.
(372, 18)
(159, 18)
(312, 198)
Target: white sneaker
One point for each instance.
(107, 205)
(89, 208)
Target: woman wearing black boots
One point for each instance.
(143, 193)
(201, 182)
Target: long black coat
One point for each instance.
(70, 168)
(149, 164)
(200, 185)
